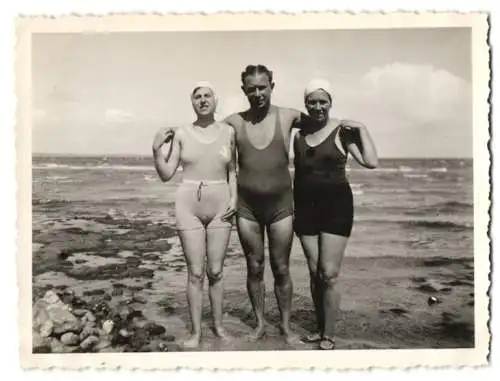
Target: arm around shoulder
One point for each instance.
(359, 144)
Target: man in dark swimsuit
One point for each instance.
(265, 198)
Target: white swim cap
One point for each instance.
(318, 84)
(200, 84)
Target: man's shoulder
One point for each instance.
(234, 120)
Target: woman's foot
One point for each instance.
(192, 342)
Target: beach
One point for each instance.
(106, 226)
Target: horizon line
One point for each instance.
(34, 154)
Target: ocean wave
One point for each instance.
(116, 167)
(443, 207)
(400, 169)
(441, 223)
(415, 175)
(455, 205)
(49, 202)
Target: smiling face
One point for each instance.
(318, 105)
(204, 102)
(258, 88)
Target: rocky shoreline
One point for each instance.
(111, 322)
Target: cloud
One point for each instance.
(410, 109)
(419, 94)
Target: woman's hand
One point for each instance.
(163, 136)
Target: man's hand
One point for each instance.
(351, 124)
(230, 211)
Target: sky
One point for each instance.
(108, 94)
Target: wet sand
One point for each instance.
(384, 299)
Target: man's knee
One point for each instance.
(281, 273)
(214, 275)
(255, 268)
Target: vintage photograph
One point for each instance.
(302, 189)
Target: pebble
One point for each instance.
(155, 329)
(47, 328)
(89, 342)
(103, 344)
(56, 346)
(108, 326)
(124, 333)
(89, 316)
(74, 326)
(433, 300)
(79, 312)
(89, 331)
(51, 297)
(140, 299)
(70, 339)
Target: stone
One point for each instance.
(40, 314)
(433, 300)
(70, 339)
(56, 346)
(51, 297)
(154, 329)
(103, 344)
(74, 327)
(79, 312)
(89, 331)
(108, 326)
(117, 292)
(46, 328)
(51, 308)
(124, 312)
(140, 299)
(89, 343)
(40, 344)
(90, 316)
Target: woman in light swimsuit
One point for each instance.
(323, 199)
(205, 201)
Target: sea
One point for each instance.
(405, 207)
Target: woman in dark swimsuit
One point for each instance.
(324, 201)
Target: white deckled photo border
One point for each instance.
(339, 359)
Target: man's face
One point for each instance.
(258, 89)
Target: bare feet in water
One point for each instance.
(192, 342)
(257, 334)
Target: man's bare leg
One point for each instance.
(280, 236)
(251, 235)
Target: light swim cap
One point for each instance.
(318, 84)
(200, 84)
